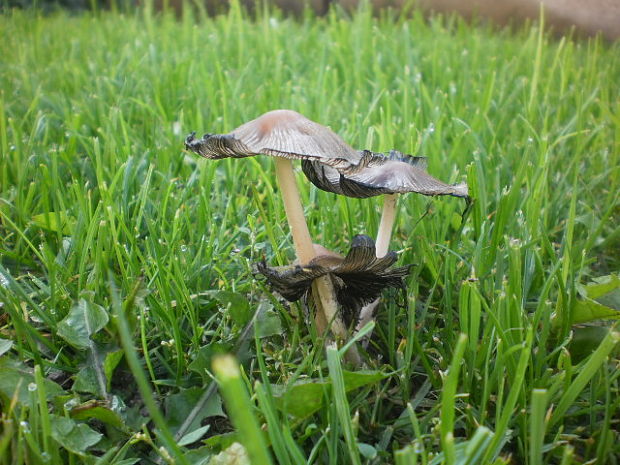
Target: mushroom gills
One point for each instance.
(359, 277)
(278, 133)
(327, 160)
(217, 146)
(378, 174)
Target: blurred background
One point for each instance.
(561, 16)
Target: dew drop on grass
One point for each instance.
(4, 281)
(71, 403)
(25, 426)
(32, 387)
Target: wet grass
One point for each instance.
(126, 264)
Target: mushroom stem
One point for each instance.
(294, 210)
(322, 287)
(388, 215)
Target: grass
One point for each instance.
(126, 264)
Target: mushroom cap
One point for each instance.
(288, 132)
(377, 174)
(358, 278)
(279, 133)
(328, 161)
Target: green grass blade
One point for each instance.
(138, 373)
(342, 404)
(594, 362)
(448, 401)
(240, 408)
(537, 425)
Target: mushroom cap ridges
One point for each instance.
(328, 161)
(378, 174)
(289, 132)
(359, 277)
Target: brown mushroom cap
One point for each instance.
(359, 277)
(279, 133)
(328, 161)
(378, 174)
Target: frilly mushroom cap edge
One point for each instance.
(378, 174)
(278, 133)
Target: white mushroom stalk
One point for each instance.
(384, 235)
(322, 287)
(388, 216)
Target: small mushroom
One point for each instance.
(288, 135)
(358, 278)
(377, 174)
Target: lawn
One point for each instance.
(127, 264)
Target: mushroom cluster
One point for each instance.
(333, 166)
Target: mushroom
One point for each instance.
(288, 135)
(358, 278)
(377, 174)
(331, 165)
